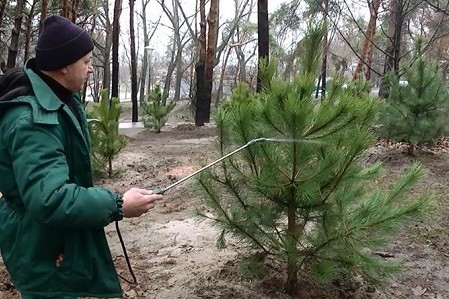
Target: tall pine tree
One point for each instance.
(303, 199)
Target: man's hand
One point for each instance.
(138, 201)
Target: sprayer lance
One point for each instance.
(249, 143)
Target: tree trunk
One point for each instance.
(291, 286)
(168, 78)
(44, 8)
(146, 42)
(212, 22)
(200, 100)
(106, 80)
(323, 74)
(135, 109)
(392, 51)
(68, 11)
(366, 57)
(263, 37)
(28, 30)
(222, 77)
(115, 45)
(13, 48)
(200, 94)
(2, 11)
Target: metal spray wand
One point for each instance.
(249, 143)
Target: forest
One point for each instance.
(363, 40)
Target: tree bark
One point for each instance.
(28, 30)
(135, 109)
(115, 45)
(200, 100)
(2, 11)
(366, 57)
(146, 42)
(68, 11)
(263, 37)
(44, 8)
(212, 22)
(392, 52)
(13, 48)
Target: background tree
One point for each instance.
(29, 29)
(206, 61)
(200, 97)
(393, 47)
(263, 40)
(366, 55)
(14, 44)
(135, 104)
(418, 104)
(147, 37)
(115, 48)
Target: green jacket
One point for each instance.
(52, 218)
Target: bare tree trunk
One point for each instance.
(177, 46)
(146, 42)
(13, 48)
(135, 109)
(323, 74)
(366, 57)
(392, 51)
(200, 101)
(2, 11)
(212, 21)
(222, 77)
(115, 45)
(68, 11)
(44, 8)
(106, 81)
(263, 35)
(28, 30)
(168, 79)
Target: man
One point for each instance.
(52, 218)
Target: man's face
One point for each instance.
(77, 73)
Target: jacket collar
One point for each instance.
(46, 98)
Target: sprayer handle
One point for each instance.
(158, 190)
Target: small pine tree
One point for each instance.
(306, 201)
(417, 108)
(106, 142)
(156, 110)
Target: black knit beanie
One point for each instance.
(60, 44)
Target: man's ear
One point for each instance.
(64, 70)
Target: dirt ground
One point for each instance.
(173, 253)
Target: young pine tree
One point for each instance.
(156, 111)
(106, 142)
(304, 199)
(417, 108)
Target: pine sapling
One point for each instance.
(156, 110)
(305, 202)
(106, 141)
(417, 108)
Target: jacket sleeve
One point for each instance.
(42, 175)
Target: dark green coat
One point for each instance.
(50, 208)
